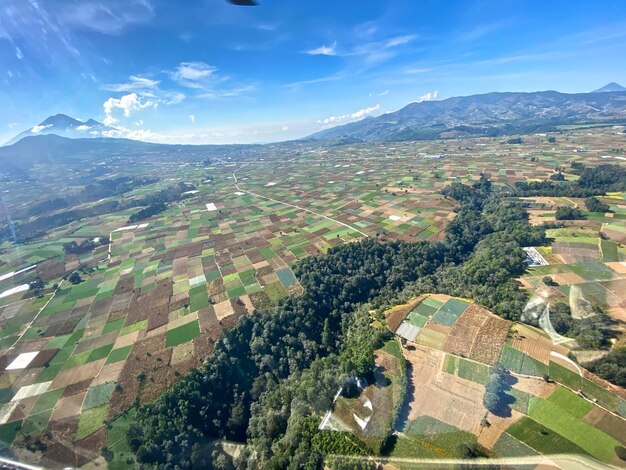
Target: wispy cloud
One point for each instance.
(134, 84)
(481, 31)
(323, 50)
(314, 81)
(194, 74)
(363, 48)
(360, 114)
(228, 93)
(106, 17)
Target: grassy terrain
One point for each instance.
(559, 420)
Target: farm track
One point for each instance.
(571, 461)
(236, 183)
(33, 320)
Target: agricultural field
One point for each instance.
(554, 405)
(155, 295)
(585, 266)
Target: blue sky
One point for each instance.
(204, 71)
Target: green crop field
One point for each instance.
(519, 362)
(542, 439)
(554, 417)
(428, 436)
(450, 312)
(466, 369)
(153, 308)
(573, 404)
(182, 334)
(508, 446)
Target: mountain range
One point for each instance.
(65, 126)
(489, 114)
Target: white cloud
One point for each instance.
(127, 103)
(228, 93)
(137, 134)
(361, 113)
(193, 74)
(399, 40)
(192, 118)
(106, 17)
(135, 83)
(285, 128)
(18, 53)
(38, 128)
(383, 93)
(430, 96)
(174, 98)
(13, 125)
(323, 50)
(146, 88)
(83, 127)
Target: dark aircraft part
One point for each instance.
(244, 3)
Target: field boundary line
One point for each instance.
(35, 318)
(236, 183)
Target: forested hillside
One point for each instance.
(277, 365)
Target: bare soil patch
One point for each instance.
(534, 386)
(531, 342)
(76, 388)
(443, 396)
(77, 374)
(68, 406)
(396, 315)
(489, 435)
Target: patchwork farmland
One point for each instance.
(76, 359)
(553, 406)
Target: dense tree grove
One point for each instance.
(593, 181)
(605, 177)
(592, 332)
(568, 213)
(274, 370)
(147, 212)
(594, 205)
(85, 246)
(612, 367)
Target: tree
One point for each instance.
(548, 281)
(561, 318)
(37, 284)
(568, 213)
(75, 278)
(594, 205)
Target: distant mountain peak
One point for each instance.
(64, 126)
(609, 87)
(489, 114)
